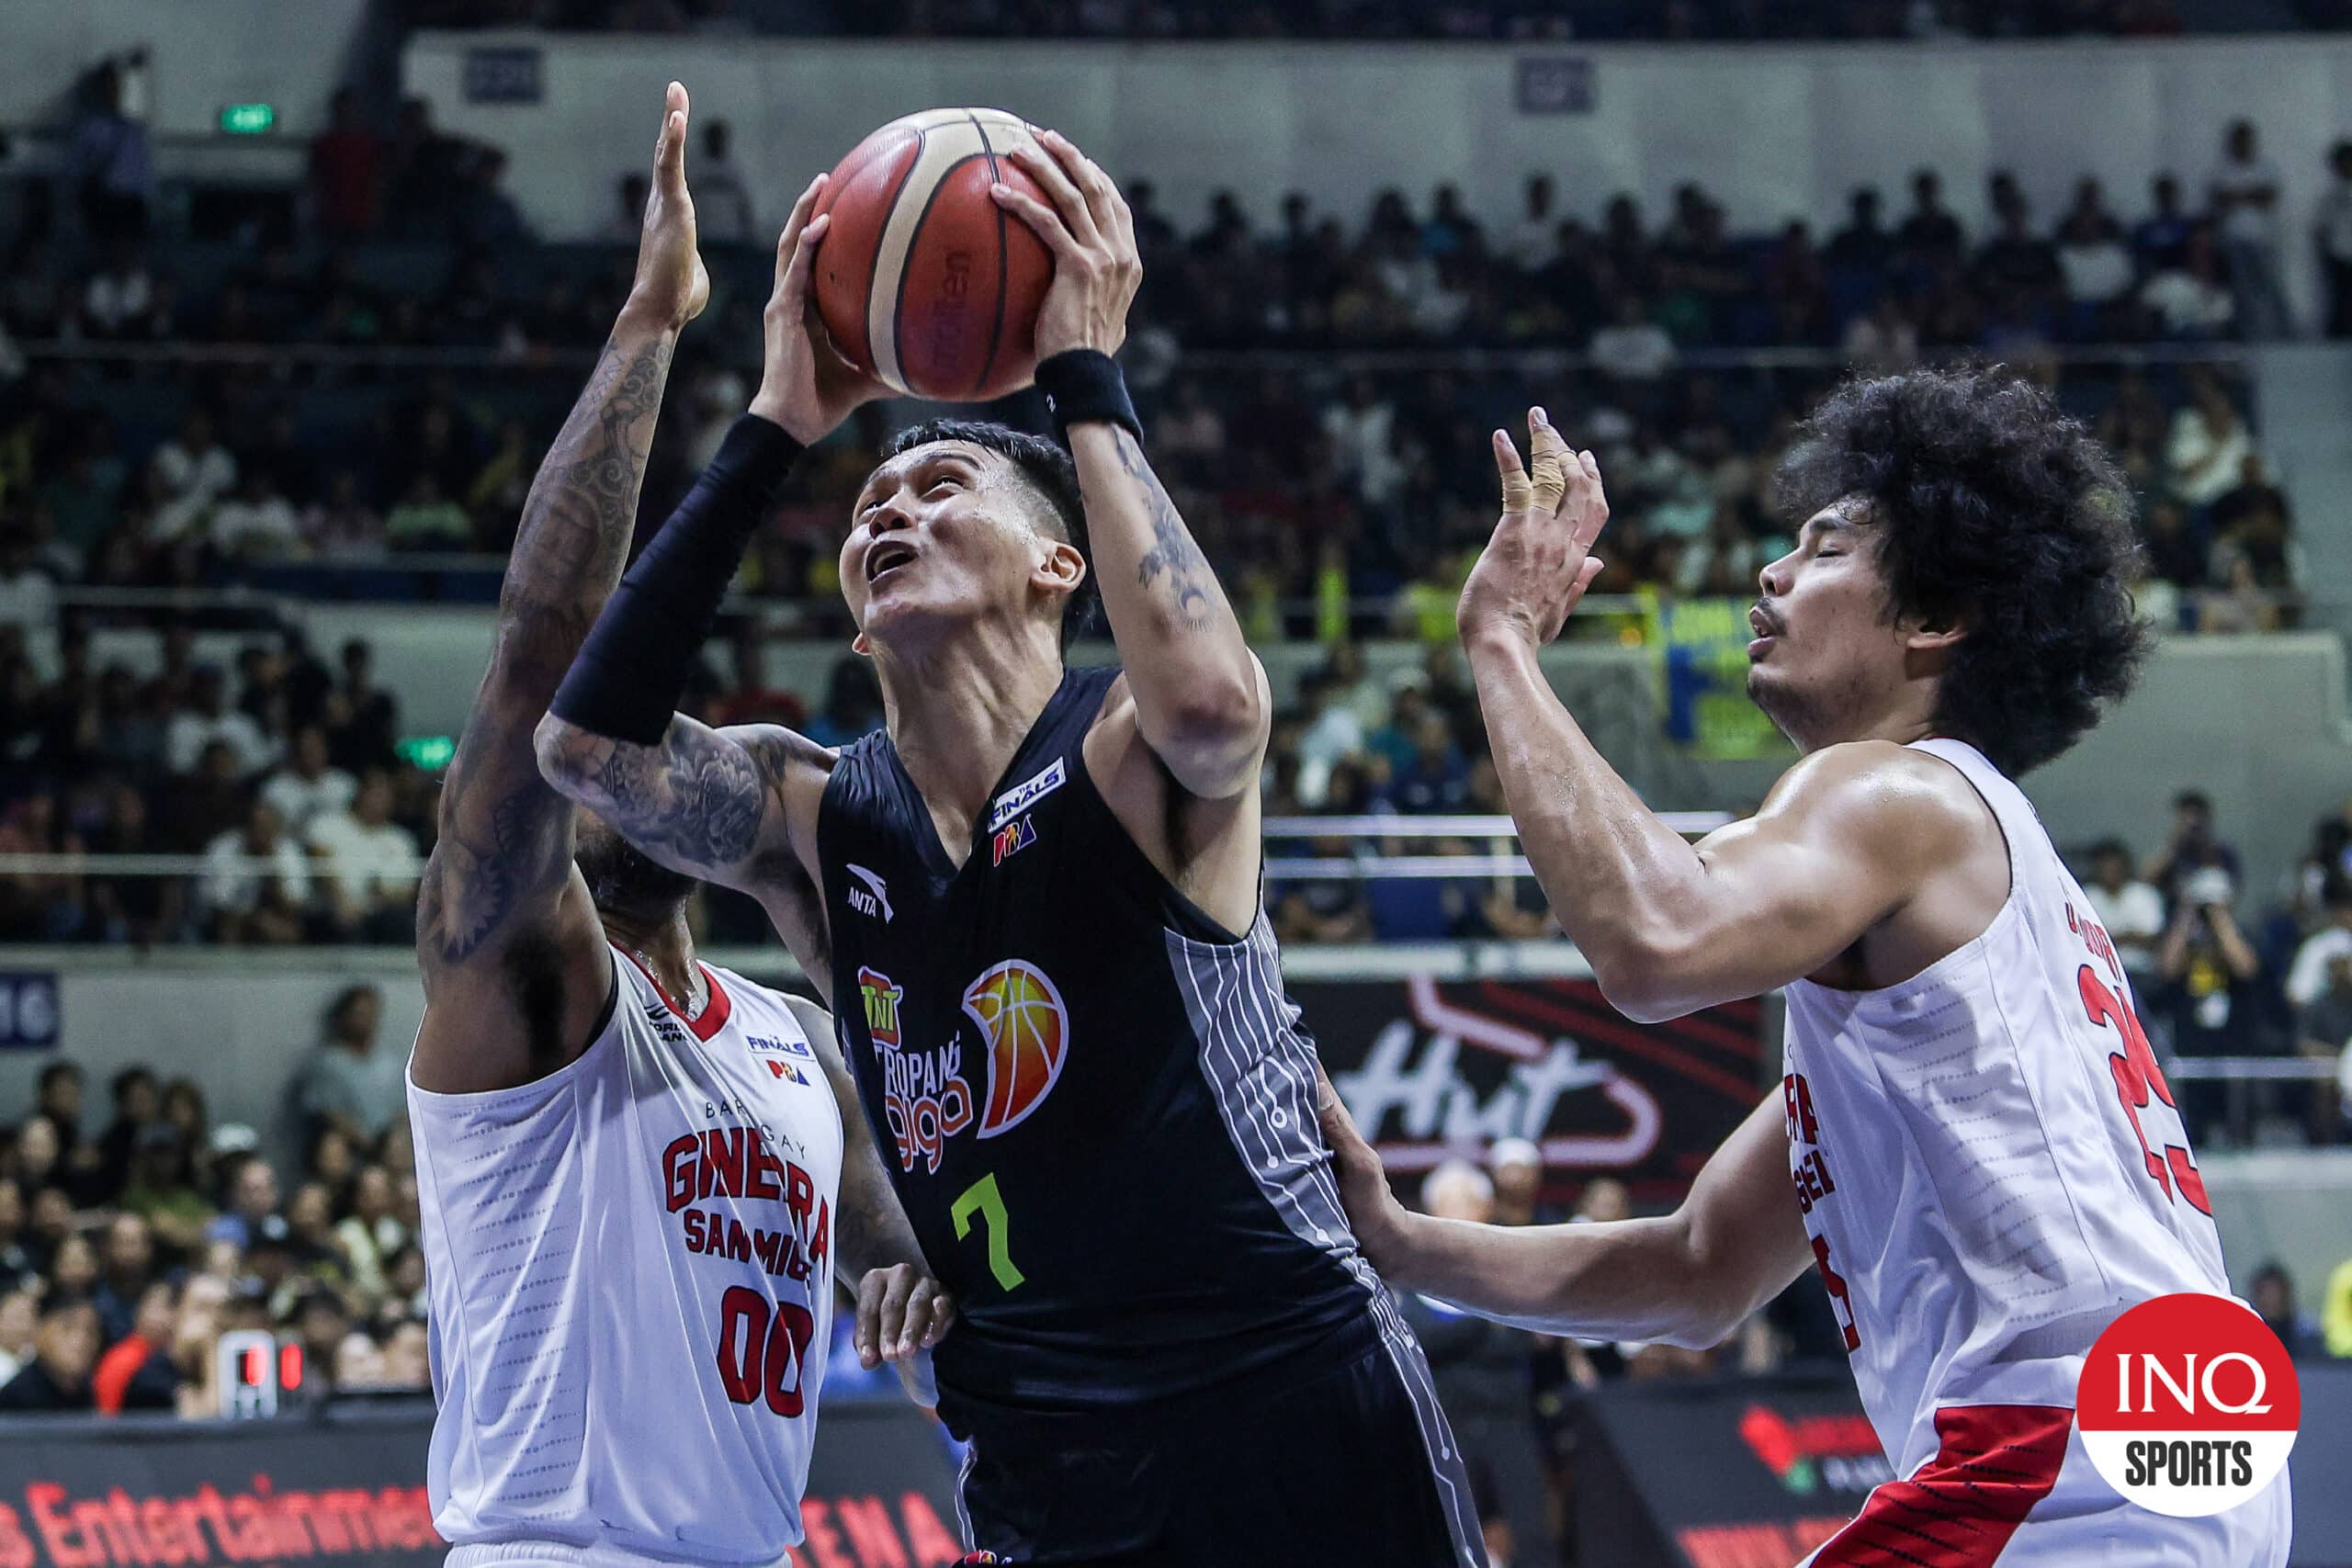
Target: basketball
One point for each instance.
(923, 281)
(1026, 1026)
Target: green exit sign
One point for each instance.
(248, 119)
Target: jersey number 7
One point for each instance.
(2138, 1079)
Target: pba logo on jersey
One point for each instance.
(1013, 838)
(1026, 1028)
(2188, 1405)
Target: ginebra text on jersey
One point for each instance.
(735, 1162)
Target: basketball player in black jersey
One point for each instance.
(1034, 902)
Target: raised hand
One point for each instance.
(806, 386)
(671, 285)
(1540, 561)
(1092, 234)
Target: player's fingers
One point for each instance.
(1043, 167)
(1547, 452)
(801, 265)
(1100, 194)
(670, 153)
(869, 1319)
(1331, 1113)
(893, 1312)
(916, 1324)
(1593, 507)
(1519, 494)
(1047, 222)
(942, 1317)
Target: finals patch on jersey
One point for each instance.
(1021, 796)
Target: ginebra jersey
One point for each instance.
(630, 1264)
(1988, 1158)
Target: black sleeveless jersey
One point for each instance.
(1097, 1107)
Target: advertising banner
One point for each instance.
(1429, 1069)
(348, 1489)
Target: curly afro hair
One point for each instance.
(1994, 508)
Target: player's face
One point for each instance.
(1827, 652)
(941, 534)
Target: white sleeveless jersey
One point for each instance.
(630, 1264)
(1991, 1169)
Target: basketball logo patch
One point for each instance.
(1026, 1029)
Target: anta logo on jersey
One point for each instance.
(1024, 1027)
(1013, 838)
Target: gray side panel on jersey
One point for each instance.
(1261, 1070)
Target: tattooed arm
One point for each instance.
(1200, 698)
(515, 968)
(737, 807)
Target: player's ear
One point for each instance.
(1060, 567)
(1933, 634)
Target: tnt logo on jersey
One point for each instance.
(1011, 839)
(924, 1098)
(2188, 1405)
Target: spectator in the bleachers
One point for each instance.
(1929, 235)
(1863, 245)
(2133, 911)
(113, 166)
(74, 1265)
(2173, 552)
(317, 1252)
(2096, 264)
(19, 1317)
(2192, 846)
(2205, 455)
(2157, 238)
(138, 1373)
(40, 906)
(2189, 299)
(1534, 235)
(2207, 990)
(372, 1234)
(1436, 778)
(1324, 908)
(754, 698)
(193, 470)
(1361, 430)
(254, 522)
(65, 1349)
(126, 1268)
(309, 786)
(209, 803)
(347, 1081)
(1632, 347)
(2323, 1035)
(421, 167)
(853, 704)
(138, 1105)
(723, 209)
(1515, 1165)
(342, 526)
(205, 719)
(241, 904)
(342, 171)
(363, 721)
(249, 1203)
(2307, 976)
(28, 586)
(2272, 1295)
(427, 519)
(16, 1262)
(2331, 227)
(369, 864)
(2244, 190)
(165, 1189)
(119, 298)
(628, 218)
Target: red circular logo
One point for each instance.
(2188, 1405)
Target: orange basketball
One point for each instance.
(924, 282)
(1028, 1030)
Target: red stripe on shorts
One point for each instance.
(1994, 1464)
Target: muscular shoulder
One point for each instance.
(1884, 800)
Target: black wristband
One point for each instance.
(1081, 384)
(628, 673)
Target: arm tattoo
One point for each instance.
(505, 836)
(696, 800)
(1172, 554)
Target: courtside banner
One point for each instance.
(1429, 1069)
(349, 1489)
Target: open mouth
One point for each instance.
(885, 559)
(1761, 624)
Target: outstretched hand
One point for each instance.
(806, 386)
(671, 285)
(1092, 234)
(1540, 561)
(1374, 1212)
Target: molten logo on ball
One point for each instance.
(1027, 1030)
(2188, 1405)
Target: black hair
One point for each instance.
(57, 1071)
(1049, 472)
(2193, 800)
(1993, 507)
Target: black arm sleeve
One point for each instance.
(637, 657)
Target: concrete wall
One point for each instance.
(202, 55)
(1774, 131)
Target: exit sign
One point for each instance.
(248, 119)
